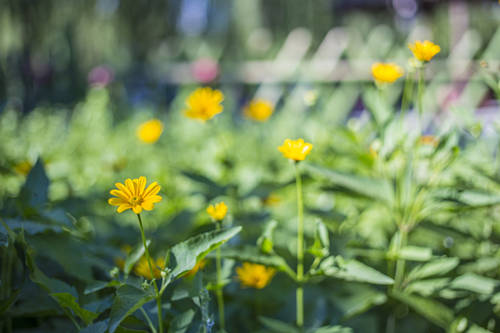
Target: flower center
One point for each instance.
(134, 201)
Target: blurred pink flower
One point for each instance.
(100, 76)
(205, 70)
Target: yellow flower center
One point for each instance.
(134, 201)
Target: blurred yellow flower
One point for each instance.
(386, 72)
(23, 167)
(199, 265)
(259, 110)
(134, 195)
(271, 200)
(142, 268)
(296, 150)
(204, 103)
(150, 131)
(217, 212)
(255, 275)
(429, 140)
(424, 51)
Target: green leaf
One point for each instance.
(36, 188)
(415, 253)
(427, 287)
(475, 283)
(278, 326)
(352, 184)
(128, 299)
(357, 299)
(98, 327)
(434, 311)
(332, 329)
(436, 267)
(182, 322)
(69, 301)
(6, 303)
(100, 285)
(133, 257)
(353, 270)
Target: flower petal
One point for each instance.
(116, 201)
(124, 189)
(119, 194)
(137, 209)
(123, 207)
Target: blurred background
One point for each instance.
(53, 51)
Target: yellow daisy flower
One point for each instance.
(255, 275)
(142, 268)
(150, 131)
(259, 110)
(217, 212)
(134, 195)
(204, 103)
(296, 150)
(386, 72)
(424, 51)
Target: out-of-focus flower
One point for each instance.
(199, 265)
(310, 97)
(120, 261)
(259, 110)
(429, 140)
(255, 275)
(150, 131)
(142, 268)
(100, 76)
(296, 150)
(424, 51)
(205, 70)
(23, 167)
(217, 211)
(386, 72)
(134, 195)
(204, 103)
(271, 200)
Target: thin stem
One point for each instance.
(300, 249)
(400, 263)
(150, 323)
(148, 258)
(218, 290)
(420, 91)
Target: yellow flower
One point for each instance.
(259, 110)
(204, 103)
(255, 275)
(296, 150)
(217, 212)
(271, 200)
(23, 167)
(142, 268)
(150, 131)
(429, 140)
(134, 195)
(386, 73)
(199, 265)
(424, 51)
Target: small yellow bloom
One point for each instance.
(424, 51)
(150, 131)
(255, 275)
(134, 195)
(217, 212)
(259, 110)
(429, 140)
(204, 103)
(142, 268)
(271, 200)
(199, 265)
(386, 73)
(23, 167)
(296, 150)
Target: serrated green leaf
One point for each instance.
(69, 301)
(183, 256)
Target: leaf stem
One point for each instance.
(218, 290)
(420, 91)
(148, 258)
(407, 94)
(300, 249)
(400, 263)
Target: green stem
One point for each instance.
(148, 258)
(218, 290)
(407, 94)
(300, 249)
(400, 263)
(420, 92)
(150, 323)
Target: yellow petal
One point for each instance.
(137, 209)
(123, 207)
(119, 194)
(152, 189)
(116, 201)
(124, 189)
